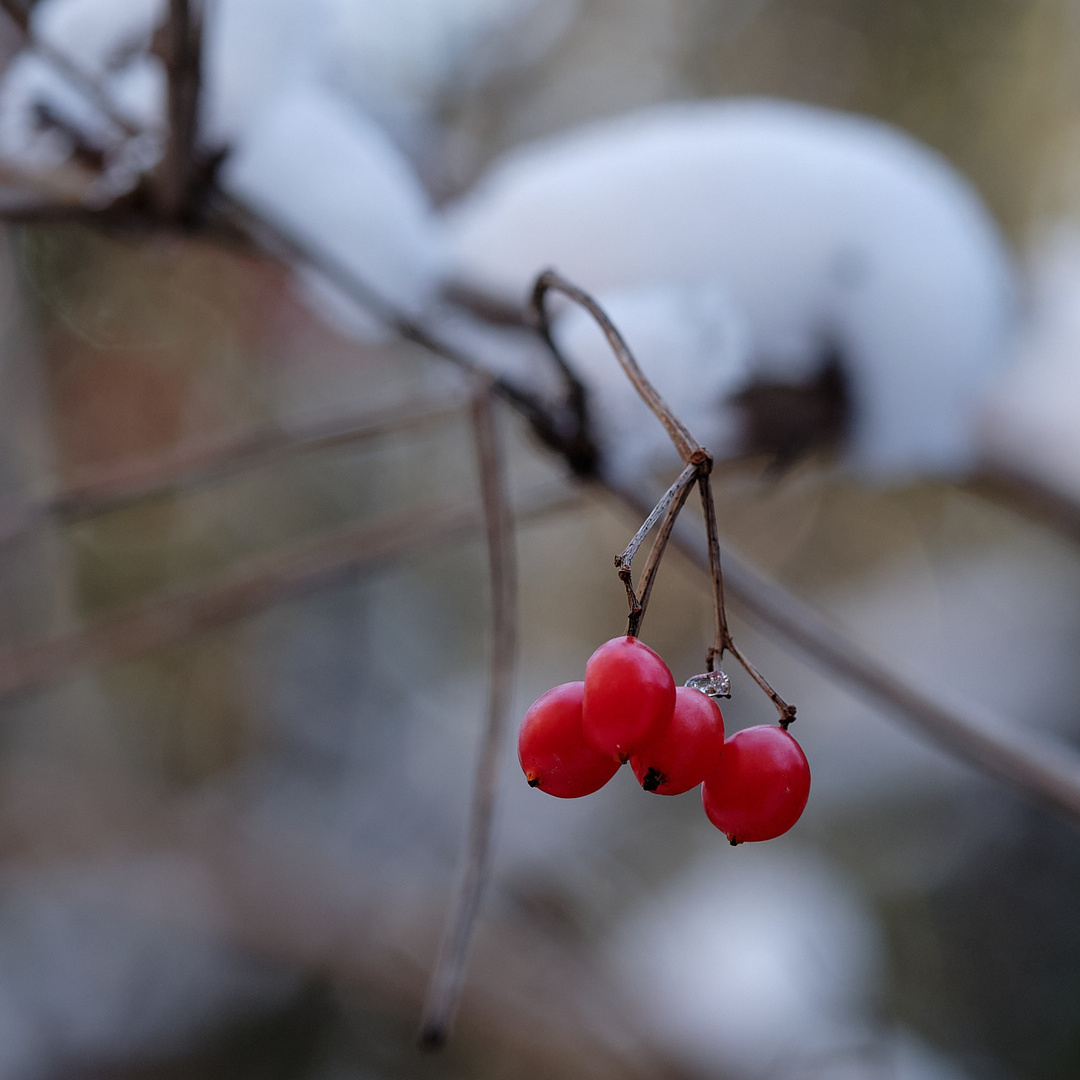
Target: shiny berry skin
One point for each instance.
(681, 756)
(758, 788)
(552, 750)
(629, 697)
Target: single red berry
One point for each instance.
(759, 786)
(679, 758)
(552, 750)
(629, 697)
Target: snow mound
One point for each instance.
(828, 230)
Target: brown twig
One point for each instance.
(179, 44)
(723, 638)
(444, 989)
(19, 15)
(652, 563)
(685, 443)
(112, 488)
(244, 591)
(669, 505)
(559, 428)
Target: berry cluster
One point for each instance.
(575, 737)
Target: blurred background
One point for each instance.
(244, 622)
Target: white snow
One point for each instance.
(395, 61)
(329, 177)
(824, 227)
(98, 35)
(400, 58)
(755, 961)
(1030, 422)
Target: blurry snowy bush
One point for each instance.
(832, 234)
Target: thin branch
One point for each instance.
(669, 505)
(19, 15)
(685, 443)
(484, 305)
(246, 590)
(722, 639)
(444, 990)
(557, 429)
(723, 635)
(115, 487)
(1039, 765)
(652, 563)
(180, 48)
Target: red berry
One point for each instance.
(686, 750)
(629, 697)
(759, 787)
(552, 750)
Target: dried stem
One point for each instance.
(253, 586)
(115, 487)
(444, 990)
(652, 564)
(180, 47)
(669, 505)
(560, 430)
(684, 442)
(19, 15)
(723, 635)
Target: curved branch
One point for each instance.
(549, 280)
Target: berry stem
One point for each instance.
(684, 442)
(669, 505)
(724, 641)
(652, 564)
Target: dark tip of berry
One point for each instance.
(734, 841)
(534, 781)
(653, 779)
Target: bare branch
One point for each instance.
(111, 488)
(723, 634)
(558, 430)
(652, 564)
(444, 990)
(18, 14)
(246, 590)
(180, 47)
(685, 443)
(671, 502)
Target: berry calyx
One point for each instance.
(688, 749)
(552, 749)
(759, 785)
(629, 697)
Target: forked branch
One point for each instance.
(698, 468)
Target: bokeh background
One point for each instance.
(226, 850)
